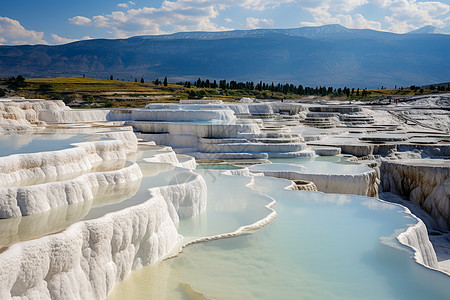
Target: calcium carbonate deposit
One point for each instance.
(207, 199)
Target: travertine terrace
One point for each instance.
(88, 196)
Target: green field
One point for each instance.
(90, 92)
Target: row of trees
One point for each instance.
(281, 88)
(157, 81)
(275, 88)
(15, 82)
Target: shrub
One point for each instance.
(109, 103)
(90, 99)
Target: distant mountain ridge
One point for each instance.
(319, 32)
(429, 29)
(330, 55)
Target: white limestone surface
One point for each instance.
(185, 112)
(416, 237)
(127, 137)
(187, 161)
(196, 129)
(19, 115)
(362, 183)
(253, 147)
(238, 108)
(260, 108)
(35, 199)
(164, 157)
(187, 198)
(73, 115)
(88, 258)
(35, 168)
(426, 182)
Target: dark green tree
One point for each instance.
(165, 81)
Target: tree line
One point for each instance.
(157, 81)
(286, 88)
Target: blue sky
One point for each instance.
(57, 22)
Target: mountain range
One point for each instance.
(330, 55)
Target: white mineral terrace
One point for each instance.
(219, 200)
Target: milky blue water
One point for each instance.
(299, 160)
(32, 143)
(231, 204)
(325, 165)
(163, 175)
(217, 167)
(321, 246)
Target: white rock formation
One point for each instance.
(88, 258)
(35, 199)
(185, 113)
(73, 115)
(426, 182)
(363, 183)
(211, 131)
(187, 198)
(416, 237)
(22, 115)
(36, 168)
(127, 137)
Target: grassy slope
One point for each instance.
(117, 93)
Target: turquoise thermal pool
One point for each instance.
(321, 246)
(226, 211)
(32, 143)
(322, 165)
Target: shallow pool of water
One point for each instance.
(226, 211)
(299, 160)
(218, 167)
(316, 167)
(32, 143)
(321, 246)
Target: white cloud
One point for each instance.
(80, 20)
(400, 15)
(180, 15)
(250, 4)
(12, 32)
(193, 15)
(126, 4)
(411, 14)
(338, 12)
(356, 21)
(62, 40)
(253, 23)
(360, 22)
(331, 5)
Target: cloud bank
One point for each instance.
(13, 33)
